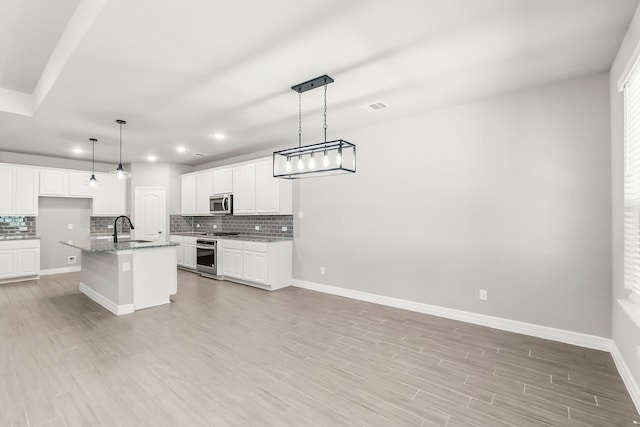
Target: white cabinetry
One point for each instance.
(264, 265)
(64, 183)
(19, 190)
(19, 260)
(188, 195)
(244, 189)
(204, 190)
(196, 190)
(190, 252)
(223, 181)
(179, 248)
(273, 195)
(109, 197)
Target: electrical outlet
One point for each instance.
(126, 266)
(322, 271)
(110, 226)
(215, 225)
(197, 225)
(300, 215)
(284, 228)
(70, 226)
(257, 227)
(22, 228)
(483, 295)
(71, 260)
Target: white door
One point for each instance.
(150, 213)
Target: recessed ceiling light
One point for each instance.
(181, 149)
(198, 154)
(77, 150)
(219, 136)
(151, 158)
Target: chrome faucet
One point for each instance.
(115, 227)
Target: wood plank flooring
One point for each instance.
(224, 354)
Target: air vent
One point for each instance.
(198, 154)
(375, 106)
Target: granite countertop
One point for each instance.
(106, 245)
(19, 237)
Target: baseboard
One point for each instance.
(106, 303)
(50, 271)
(625, 373)
(561, 335)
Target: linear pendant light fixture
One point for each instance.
(322, 159)
(93, 182)
(120, 172)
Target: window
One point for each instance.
(632, 183)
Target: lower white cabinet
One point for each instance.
(186, 251)
(19, 260)
(267, 265)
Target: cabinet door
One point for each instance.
(180, 255)
(8, 263)
(204, 189)
(267, 189)
(244, 189)
(232, 262)
(54, 182)
(190, 256)
(28, 262)
(7, 190)
(78, 184)
(223, 181)
(255, 266)
(189, 195)
(27, 191)
(109, 197)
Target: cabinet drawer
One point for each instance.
(176, 239)
(190, 240)
(255, 246)
(232, 244)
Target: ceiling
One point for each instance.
(178, 72)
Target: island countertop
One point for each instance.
(107, 245)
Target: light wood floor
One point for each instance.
(225, 354)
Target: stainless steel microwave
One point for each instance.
(221, 204)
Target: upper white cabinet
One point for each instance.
(223, 181)
(64, 183)
(273, 195)
(204, 190)
(244, 189)
(189, 195)
(255, 190)
(19, 190)
(109, 197)
(196, 190)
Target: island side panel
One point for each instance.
(155, 276)
(103, 278)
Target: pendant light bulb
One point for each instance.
(300, 163)
(339, 157)
(288, 167)
(312, 162)
(325, 159)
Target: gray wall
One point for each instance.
(509, 194)
(54, 216)
(626, 335)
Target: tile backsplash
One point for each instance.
(100, 225)
(10, 226)
(270, 225)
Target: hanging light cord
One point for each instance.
(299, 119)
(120, 143)
(93, 156)
(325, 110)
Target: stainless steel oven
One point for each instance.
(207, 257)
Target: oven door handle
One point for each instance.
(205, 247)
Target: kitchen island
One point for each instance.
(127, 276)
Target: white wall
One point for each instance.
(625, 333)
(510, 194)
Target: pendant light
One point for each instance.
(93, 182)
(120, 172)
(338, 156)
